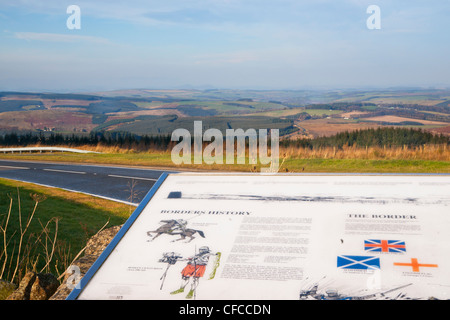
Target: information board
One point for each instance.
(285, 236)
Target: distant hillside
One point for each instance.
(296, 113)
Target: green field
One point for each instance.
(319, 112)
(232, 107)
(367, 166)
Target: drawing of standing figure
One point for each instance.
(195, 269)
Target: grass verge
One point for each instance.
(61, 224)
(316, 163)
(366, 166)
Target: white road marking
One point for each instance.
(65, 171)
(126, 177)
(11, 167)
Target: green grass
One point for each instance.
(231, 107)
(278, 113)
(319, 112)
(79, 217)
(163, 160)
(366, 166)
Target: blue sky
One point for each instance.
(246, 44)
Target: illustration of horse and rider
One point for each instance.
(175, 227)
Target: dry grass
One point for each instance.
(133, 148)
(428, 158)
(427, 152)
(22, 252)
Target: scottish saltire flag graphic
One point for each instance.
(397, 246)
(358, 262)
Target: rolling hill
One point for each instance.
(298, 113)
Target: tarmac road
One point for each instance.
(104, 181)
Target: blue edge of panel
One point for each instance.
(107, 251)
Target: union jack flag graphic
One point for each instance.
(397, 246)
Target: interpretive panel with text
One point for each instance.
(254, 236)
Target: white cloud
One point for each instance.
(56, 37)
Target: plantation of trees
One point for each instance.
(381, 137)
(119, 139)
